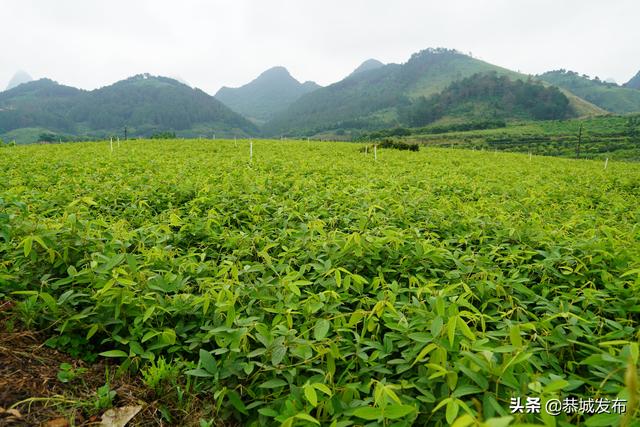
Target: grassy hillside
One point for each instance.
(356, 102)
(270, 93)
(318, 285)
(608, 96)
(143, 104)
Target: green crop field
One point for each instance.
(318, 286)
(602, 137)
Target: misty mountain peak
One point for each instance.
(369, 64)
(634, 83)
(18, 78)
(275, 73)
(269, 93)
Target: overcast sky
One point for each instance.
(91, 43)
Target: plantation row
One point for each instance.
(315, 285)
(612, 137)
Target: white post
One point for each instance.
(111, 144)
(606, 162)
(214, 136)
(118, 142)
(250, 151)
(366, 150)
(375, 152)
(529, 155)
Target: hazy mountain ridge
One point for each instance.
(634, 82)
(268, 94)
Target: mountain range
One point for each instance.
(440, 85)
(373, 98)
(144, 104)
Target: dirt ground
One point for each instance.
(32, 395)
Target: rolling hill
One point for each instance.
(371, 99)
(609, 96)
(634, 83)
(270, 93)
(144, 104)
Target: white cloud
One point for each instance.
(90, 43)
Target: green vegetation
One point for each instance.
(270, 93)
(609, 96)
(490, 96)
(316, 285)
(371, 100)
(143, 104)
(612, 137)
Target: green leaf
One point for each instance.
(321, 329)
(514, 334)
(278, 354)
(114, 353)
(368, 413)
(423, 353)
(92, 331)
(27, 245)
(601, 420)
(498, 422)
(451, 329)
(323, 388)
(208, 362)
(397, 410)
(452, 411)
(199, 373)
(274, 383)
(237, 402)
(464, 421)
(306, 417)
(310, 394)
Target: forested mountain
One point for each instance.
(270, 93)
(634, 83)
(19, 78)
(610, 96)
(144, 104)
(372, 99)
(489, 96)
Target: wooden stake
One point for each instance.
(111, 144)
(606, 162)
(375, 152)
